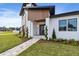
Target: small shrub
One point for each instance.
(73, 42)
(20, 36)
(23, 31)
(59, 40)
(25, 38)
(19, 32)
(65, 41)
(46, 32)
(53, 35)
(27, 32)
(77, 43)
(42, 39)
(50, 39)
(29, 37)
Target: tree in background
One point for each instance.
(4, 28)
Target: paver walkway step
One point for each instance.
(20, 48)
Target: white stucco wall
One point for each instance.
(54, 24)
(23, 20)
(35, 28)
(30, 28)
(26, 17)
(28, 24)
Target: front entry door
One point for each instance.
(41, 29)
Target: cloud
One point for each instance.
(9, 18)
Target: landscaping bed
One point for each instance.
(51, 48)
(66, 41)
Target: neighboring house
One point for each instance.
(36, 17)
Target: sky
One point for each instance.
(9, 15)
(9, 12)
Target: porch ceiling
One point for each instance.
(40, 20)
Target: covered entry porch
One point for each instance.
(37, 19)
(38, 28)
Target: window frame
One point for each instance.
(59, 25)
(68, 24)
(67, 20)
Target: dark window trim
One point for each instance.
(67, 24)
(59, 25)
(76, 23)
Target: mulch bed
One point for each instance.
(68, 42)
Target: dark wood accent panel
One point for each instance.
(38, 14)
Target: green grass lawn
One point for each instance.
(49, 48)
(8, 40)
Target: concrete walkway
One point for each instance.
(20, 48)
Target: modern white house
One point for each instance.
(36, 17)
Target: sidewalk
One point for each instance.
(20, 48)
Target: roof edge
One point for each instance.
(65, 14)
(24, 4)
(36, 7)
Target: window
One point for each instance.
(72, 24)
(62, 25)
(68, 25)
